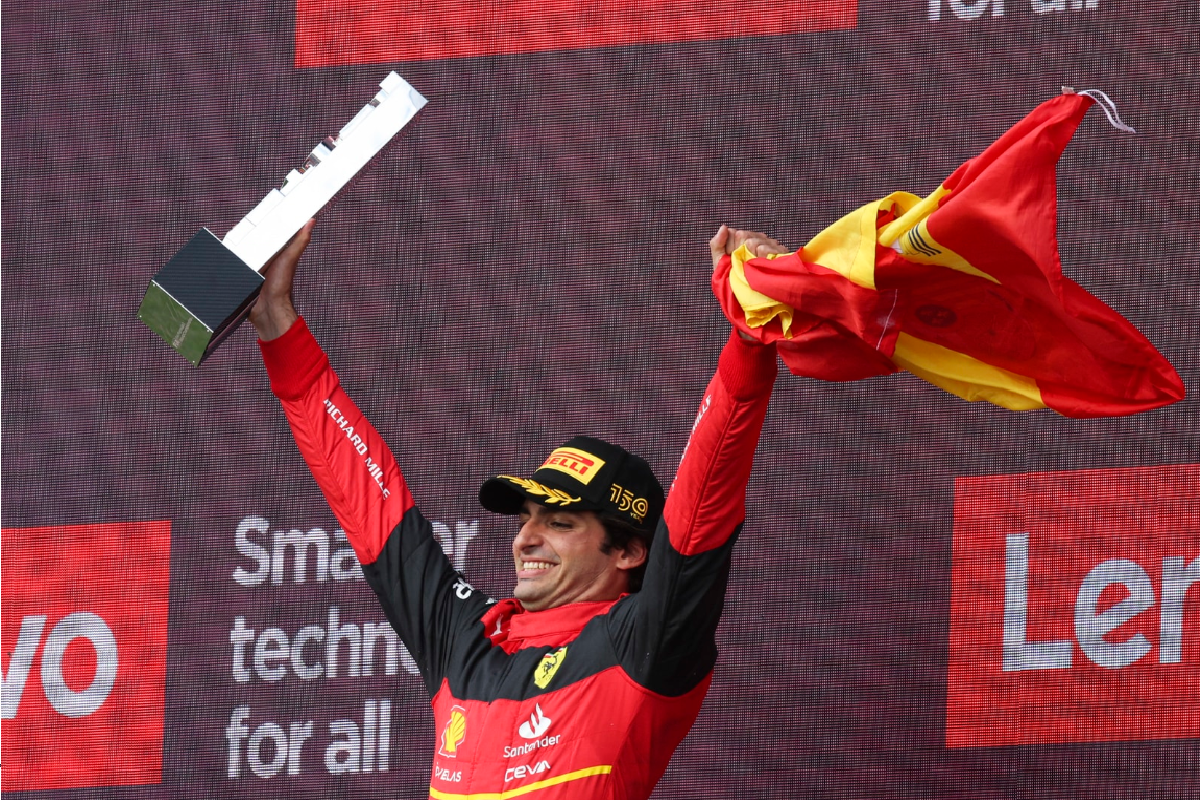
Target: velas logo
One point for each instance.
(580, 465)
(85, 648)
(1075, 607)
(455, 732)
(336, 32)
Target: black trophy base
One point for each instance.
(200, 296)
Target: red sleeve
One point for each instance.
(707, 502)
(347, 457)
(665, 634)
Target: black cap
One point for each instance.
(585, 474)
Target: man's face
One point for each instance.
(559, 559)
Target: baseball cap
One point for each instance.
(585, 474)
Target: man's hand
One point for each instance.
(273, 312)
(729, 239)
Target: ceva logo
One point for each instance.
(85, 644)
(1075, 608)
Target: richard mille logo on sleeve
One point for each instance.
(346, 425)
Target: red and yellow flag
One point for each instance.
(963, 288)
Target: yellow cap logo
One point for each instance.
(579, 464)
(548, 666)
(454, 733)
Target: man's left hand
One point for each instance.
(729, 239)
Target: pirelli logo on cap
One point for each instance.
(579, 464)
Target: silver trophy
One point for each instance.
(206, 289)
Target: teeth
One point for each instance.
(536, 565)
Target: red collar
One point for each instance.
(509, 625)
(562, 619)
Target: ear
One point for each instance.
(634, 554)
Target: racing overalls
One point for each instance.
(586, 700)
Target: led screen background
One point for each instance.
(528, 262)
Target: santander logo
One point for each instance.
(1075, 607)
(537, 724)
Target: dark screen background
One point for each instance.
(529, 262)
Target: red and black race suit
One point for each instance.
(583, 700)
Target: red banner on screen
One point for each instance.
(85, 650)
(355, 32)
(1075, 609)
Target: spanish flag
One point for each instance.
(963, 288)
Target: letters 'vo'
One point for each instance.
(81, 625)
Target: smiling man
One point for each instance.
(584, 682)
(587, 515)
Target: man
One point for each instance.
(584, 682)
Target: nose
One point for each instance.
(528, 536)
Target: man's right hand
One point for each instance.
(273, 312)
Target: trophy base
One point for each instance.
(200, 296)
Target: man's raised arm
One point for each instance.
(667, 642)
(358, 475)
(706, 503)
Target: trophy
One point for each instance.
(206, 289)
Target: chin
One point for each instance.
(534, 603)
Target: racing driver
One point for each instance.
(584, 682)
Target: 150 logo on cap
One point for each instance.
(85, 648)
(1075, 607)
(579, 465)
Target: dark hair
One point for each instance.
(618, 533)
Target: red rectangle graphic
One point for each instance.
(355, 32)
(1075, 607)
(85, 651)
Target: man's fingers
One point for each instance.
(281, 269)
(273, 312)
(291, 252)
(729, 239)
(759, 244)
(716, 245)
